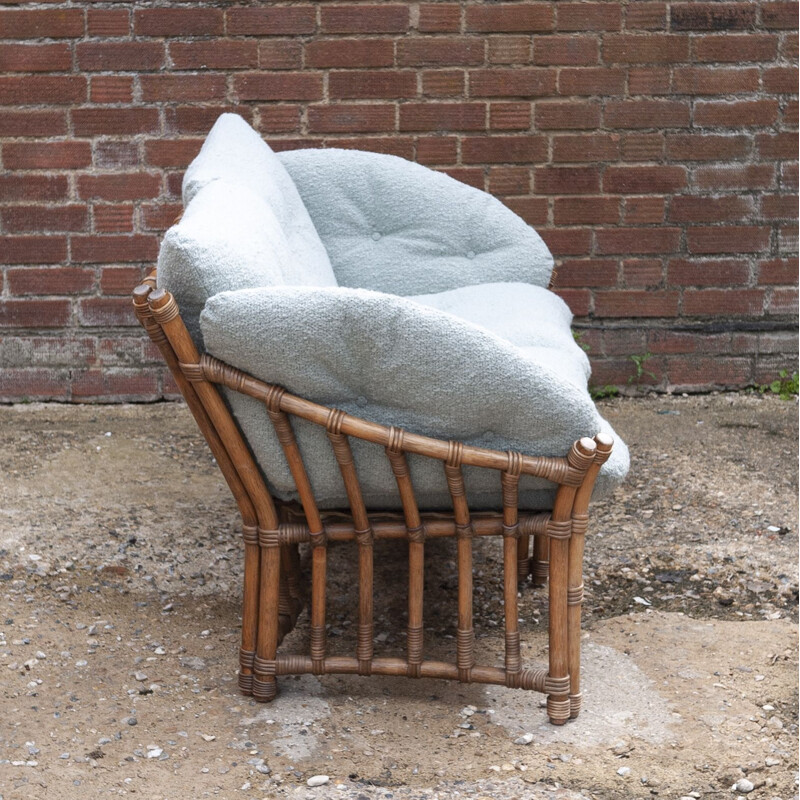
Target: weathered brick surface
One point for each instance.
(653, 145)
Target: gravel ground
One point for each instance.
(120, 566)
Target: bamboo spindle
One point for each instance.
(247, 649)
(559, 529)
(523, 557)
(510, 489)
(319, 553)
(416, 551)
(364, 537)
(165, 311)
(580, 521)
(540, 566)
(465, 635)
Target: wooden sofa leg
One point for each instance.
(575, 604)
(580, 522)
(265, 686)
(580, 458)
(250, 592)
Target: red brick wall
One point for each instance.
(653, 144)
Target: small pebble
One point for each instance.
(772, 762)
(317, 780)
(744, 786)
(40, 655)
(140, 676)
(526, 738)
(624, 771)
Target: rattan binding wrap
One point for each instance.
(272, 590)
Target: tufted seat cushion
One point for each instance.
(494, 366)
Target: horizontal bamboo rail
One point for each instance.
(272, 532)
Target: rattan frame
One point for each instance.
(272, 531)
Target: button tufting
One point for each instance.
(471, 254)
(375, 236)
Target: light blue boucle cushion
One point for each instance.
(394, 226)
(228, 238)
(435, 368)
(234, 152)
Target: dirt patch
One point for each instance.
(120, 567)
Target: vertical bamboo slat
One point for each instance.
(364, 537)
(540, 566)
(523, 557)
(286, 437)
(510, 488)
(465, 635)
(416, 551)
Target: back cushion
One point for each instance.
(228, 238)
(234, 152)
(401, 228)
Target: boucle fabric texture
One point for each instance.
(436, 368)
(395, 226)
(228, 238)
(233, 151)
(534, 319)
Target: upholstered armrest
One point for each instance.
(394, 361)
(394, 226)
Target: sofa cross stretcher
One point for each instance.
(371, 351)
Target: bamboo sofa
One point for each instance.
(371, 353)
